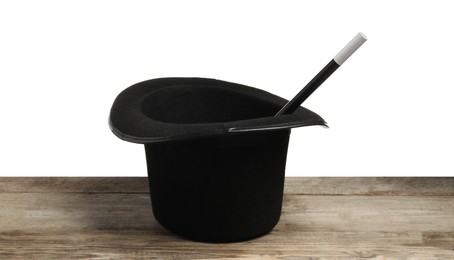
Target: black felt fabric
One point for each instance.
(219, 189)
(215, 153)
(168, 109)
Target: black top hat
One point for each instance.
(215, 153)
(168, 109)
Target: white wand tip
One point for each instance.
(363, 36)
(350, 48)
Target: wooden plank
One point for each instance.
(119, 225)
(134, 245)
(73, 212)
(430, 186)
(74, 184)
(436, 186)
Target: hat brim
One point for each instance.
(173, 109)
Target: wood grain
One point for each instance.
(438, 186)
(111, 218)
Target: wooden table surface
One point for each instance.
(322, 218)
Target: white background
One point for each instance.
(389, 106)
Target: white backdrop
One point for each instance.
(389, 106)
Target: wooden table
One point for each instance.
(322, 218)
